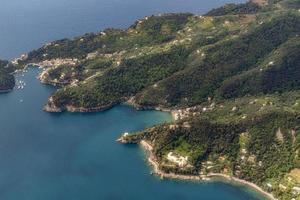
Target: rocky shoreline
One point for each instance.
(209, 177)
(69, 108)
(5, 90)
(51, 107)
(132, 102)
(93, 109)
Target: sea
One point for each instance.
(75, 156)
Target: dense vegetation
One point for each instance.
(7, 81)
(132, 76)
(228, 60)
(247, 8)
(280, 72)
(254, 138)
(234, 72)
(154, 30)
(180, 59)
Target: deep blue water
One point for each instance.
(74, 156)
(27, 24)
(69, 156)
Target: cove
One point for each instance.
(75, 156)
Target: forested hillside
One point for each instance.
(7, 81)
(178, 59)
(232, 75)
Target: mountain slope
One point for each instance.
(176, 59)
(253, 138)
(231, 77)
(7, 80)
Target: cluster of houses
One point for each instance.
(184, 113)
(181, 161)
(21, 58)
(58, 62)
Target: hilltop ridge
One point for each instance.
(231, 77)
(176, 59)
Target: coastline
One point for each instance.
(151, 158)
(52, 108)
(5, 91)
(209, 177)
(173, 112)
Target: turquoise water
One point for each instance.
(69, 156)
(27, 24)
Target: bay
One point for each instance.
(74, 155)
